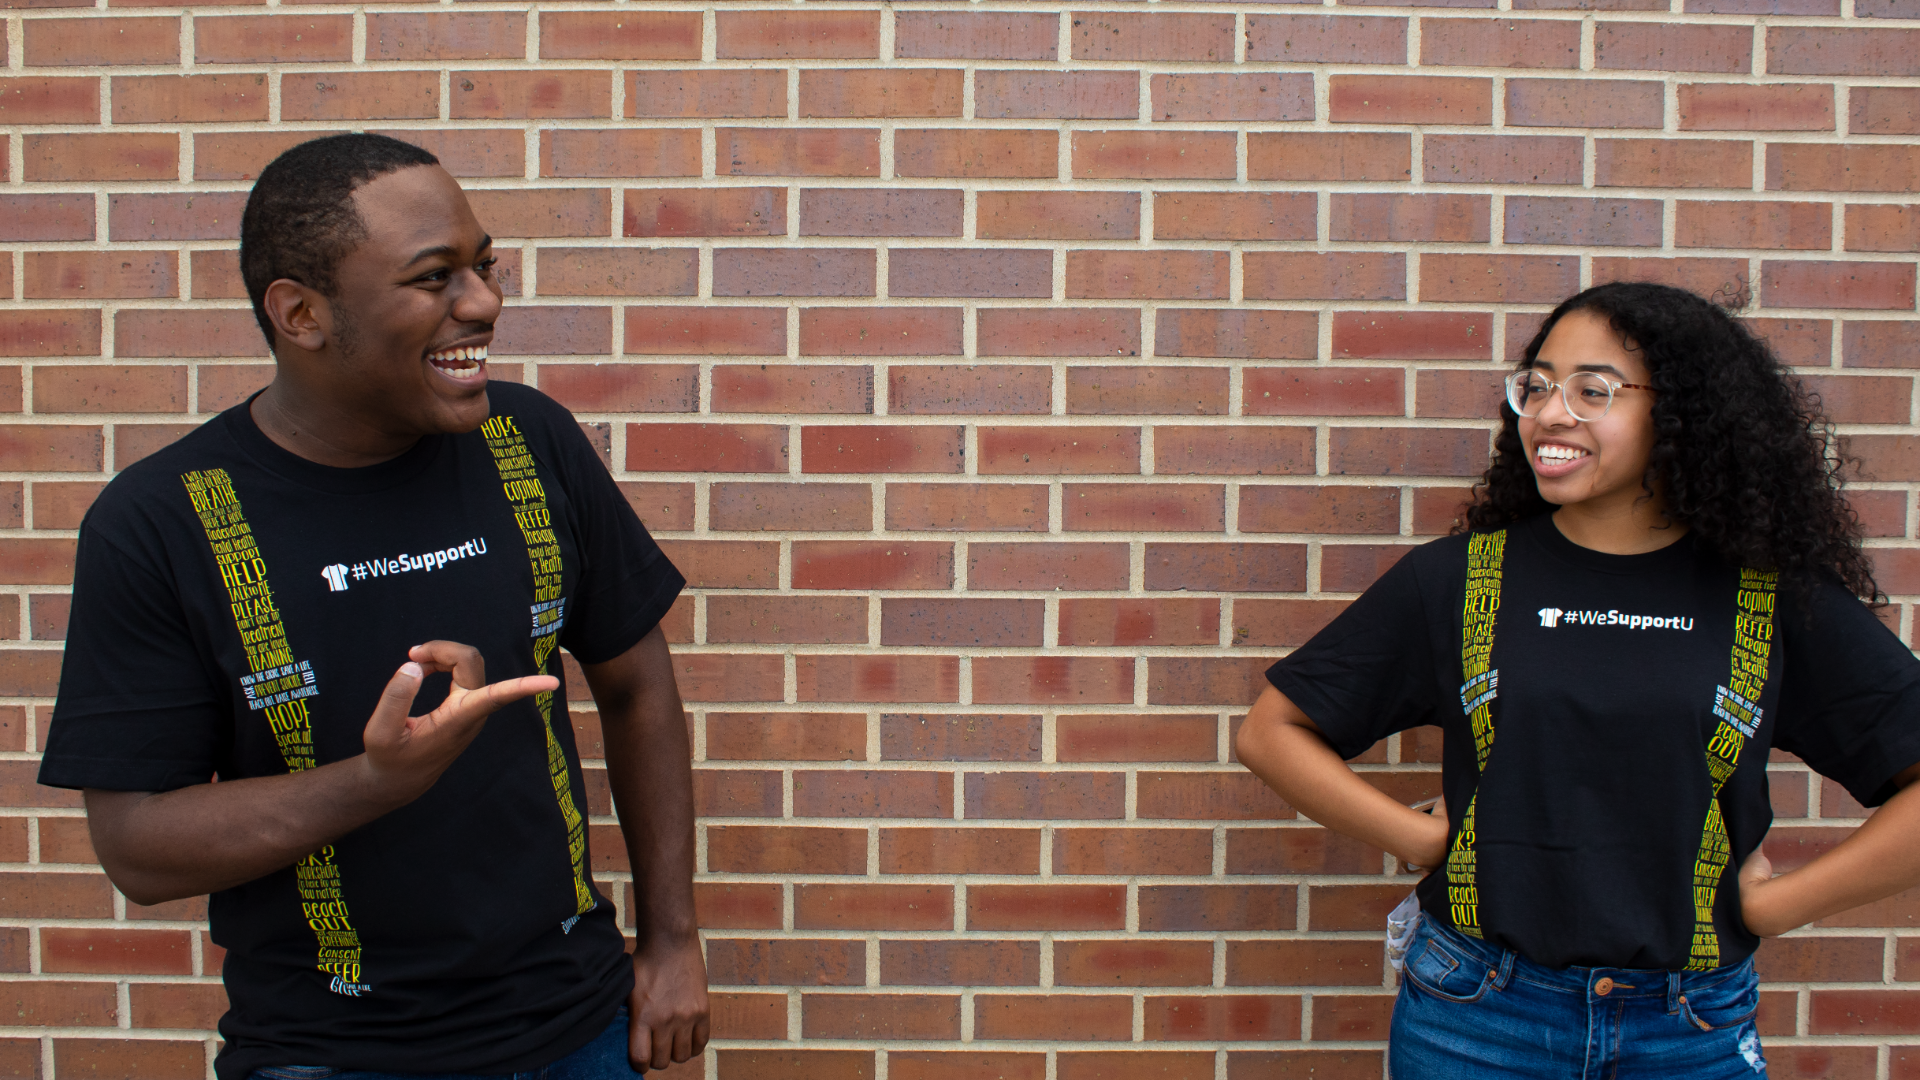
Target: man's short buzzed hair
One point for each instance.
(300, 221)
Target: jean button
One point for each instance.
(1603, 987)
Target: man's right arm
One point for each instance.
(207, 837)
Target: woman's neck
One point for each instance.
(1631, 528)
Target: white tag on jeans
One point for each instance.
(1401, 923)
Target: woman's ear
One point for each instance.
(301, 317)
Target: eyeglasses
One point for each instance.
(1586, 394)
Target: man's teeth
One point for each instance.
(1555, 455)
(459, 361)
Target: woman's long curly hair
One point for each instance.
(1742, 454)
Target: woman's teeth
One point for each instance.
(459, 363)
(1558, 455)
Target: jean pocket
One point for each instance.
(1440, 973)
(293, 1072)
(1727, 1003)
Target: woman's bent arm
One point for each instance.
(1283, 747)
(1876, 861)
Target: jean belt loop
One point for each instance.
(1673, 992)
(1505, 971)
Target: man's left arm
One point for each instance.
(649, 767)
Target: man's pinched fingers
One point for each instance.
(390, 713)
(468, 666)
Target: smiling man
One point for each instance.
(304, 600)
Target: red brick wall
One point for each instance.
(1013, 381)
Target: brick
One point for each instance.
(193, 1007)
(115, 389)
(1459, 395)
(357, 95)
(1503, 159)
(1223, 1017)
(1704, 276)
(1808, 50)
(1602, 222)
(61, 896)
(1194, 215)
(1352, 907)
(792, 962)
(858, 212)
(960, 963)
(1106, 622)
(1265, 96)
(61, 505)
(1158, 737)
(1837, 284)
(735, 905)
(1150, 391)
(792, 388)
(62, 332)
(1399, 218)
(50, 447)
(100, 156)
(1497, 279)
(879, 678)
(913, 92)
(1134, 963)
(958, 35)
(721, 677)
(880, 1016)
(723, 93)
(1671, 163)
(1107, 35)
(1046, 907)
(1141, 275)
(873, 907)
(163, 99)
(488, 35)
(1305, 275)
(618, 271)
(49, 100)
(1828, 167)
(866, 331)
(977, 154)
(707, 211)
(1353, 567)
(797, 152)
(1504, 43)
(947, 737)
(782, 849)
(1880, 227)
(1343, 155)
(1407, 452)
(1346, 510)
(1413, 99)
(159, 332)
(1589, 103)
(946, 390)
(1233, 451)
(1324, 391)
(55, 275)
(1834, 960)
(1351, 1017)
(1863, 1012)
(1736, 107)
(1059, 332)
(131, 442)
(889, 793)
(881, 448)
(1326, 39)
(1127, 155)
(622, 387)
(536, 95)
(1031, 566)
(724, 331)
(1412, 335)
(1131, 852)
(1863, 399)
(793, 272)
(1799, 226)
(621, 35)
(1142, 507)
(1673, 46)
(1230, 567)
(147, 1058)
(113, 951)
(1056, 95)
(1240, 333)
(803, 736)
(758, 507)
(46, 217)
(241, 155)
(794, 1064)
(543, 212)
(1053, 1017)
(1880, 344)
(1025, 680)
(1046, 215)
(783, 35)
(726, 448)
(1054, 449)
(966, 849)
(945, 272)
(1165, 1065)
(273, 39)
(1206, 681)
(97, 42)
(1765, 7)
(1044, 795)
(1310, 850)
(1883, 110)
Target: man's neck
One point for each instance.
(322, 432)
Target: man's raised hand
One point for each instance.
(406, 754)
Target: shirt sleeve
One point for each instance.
(626, 582)
(1850, 695)
(1368, 673)
(137, 710)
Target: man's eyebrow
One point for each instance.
(486, 242)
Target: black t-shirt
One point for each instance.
(237, 611)
(1610, 668)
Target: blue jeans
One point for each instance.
(1472, 1011)
(605, 1058)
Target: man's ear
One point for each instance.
(301, 317)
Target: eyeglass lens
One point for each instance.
(1586, 395)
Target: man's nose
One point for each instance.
(478, 301)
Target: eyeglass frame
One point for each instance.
(1612, 389)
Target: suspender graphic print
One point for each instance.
(1736, 704)
(279, 688)
(1480, 684)
(521, 482)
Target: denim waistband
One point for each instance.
(1618, 982)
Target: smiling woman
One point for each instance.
(1653, 457)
